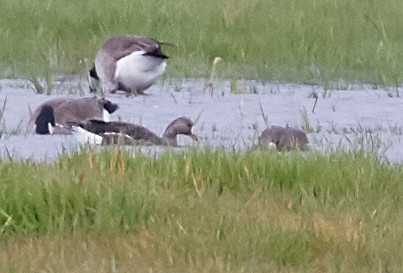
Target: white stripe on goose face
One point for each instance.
(106, 116)
(50, 128)
(83, 136)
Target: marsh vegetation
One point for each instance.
(292, 41)
(201, 211)
(210, 209)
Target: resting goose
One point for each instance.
(127, 63)
(284, 138)
(114, 132)
(65, 110)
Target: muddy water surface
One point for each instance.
(362, 118)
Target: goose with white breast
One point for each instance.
(127, 63)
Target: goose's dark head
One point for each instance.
(180, 126)
(45, 121)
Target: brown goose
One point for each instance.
(65, 110)
(284, 138)
(127, 63)
(101, 132)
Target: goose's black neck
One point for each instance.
(46, 116)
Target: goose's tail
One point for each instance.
(93, 80)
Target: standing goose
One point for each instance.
(101, 132)
(65, 110)
(284, 138)
(127, 63)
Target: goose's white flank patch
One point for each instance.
(272, 145)
(137, 70)
(117, 134)
(83, 136)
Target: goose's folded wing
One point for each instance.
(122, 46)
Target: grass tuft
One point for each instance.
(202, 211)
(298, 41)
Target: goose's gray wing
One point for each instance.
(293, 138)
(81, 109)
(121, 46)
(134, 131)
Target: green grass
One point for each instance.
(292, 40)
(201, 211)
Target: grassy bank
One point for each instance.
(318, 40)
(201, 211)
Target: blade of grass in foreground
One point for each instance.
(202, 211)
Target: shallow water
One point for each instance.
(361, 118)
